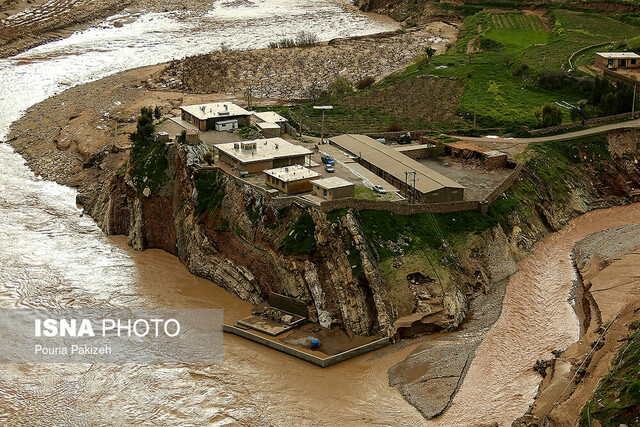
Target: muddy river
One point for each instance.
(51, 256)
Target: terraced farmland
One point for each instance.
(518, 21)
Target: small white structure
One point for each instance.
(226, 125)
(614, 60)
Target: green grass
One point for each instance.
(382, 226)
(550, 168)
(365, 193)
(617, 398)
(300, 239)
(211, 190)
(149, 161)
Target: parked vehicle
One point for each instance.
(405, 138)
(329, 168)
(328, 160)
(379, 189)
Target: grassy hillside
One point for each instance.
(494, 70)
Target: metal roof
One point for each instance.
(215, 110)
(393, 162)
(333, 182)
(291, 173)
(623, 55)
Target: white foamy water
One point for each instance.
(51, 256)
(43, 239)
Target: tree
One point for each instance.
(549, 115)
(157, 113)
(145, 129)
(580, 113)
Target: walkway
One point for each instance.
(517, 145)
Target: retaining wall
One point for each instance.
(596, 121)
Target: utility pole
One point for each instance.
(410, 189)
(633, 103)
(323, 108)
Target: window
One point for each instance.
(324, 193)
(633, 62)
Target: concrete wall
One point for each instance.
(288, 161)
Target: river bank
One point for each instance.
(86, 139)
(607, 303)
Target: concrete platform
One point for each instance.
(268, 326)
(315, 357)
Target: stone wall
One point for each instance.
(400, 208)
(567, 126)
(504, 185)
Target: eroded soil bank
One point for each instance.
(607, 302)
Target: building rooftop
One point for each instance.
(393, 162)
(464, 145)
(267, 125)
(271, 148)
(333, 182)
(625, 55)
(215, 110)
(269, 116)
(291, 173)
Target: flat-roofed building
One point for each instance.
(260, 154)
(269, 130)
(393, 166)
(291, 179)
(333, 188)
(205, 116)
(267, 117)
(615, 60)
(491, 159)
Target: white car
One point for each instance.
(379, 189)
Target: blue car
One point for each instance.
(328, 160)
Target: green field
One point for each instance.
(492, 70)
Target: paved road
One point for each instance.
(585, 132)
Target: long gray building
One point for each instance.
(391, 165)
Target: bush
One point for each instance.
(302, 39)
(365, 83)
(394, 126)
(553, 79)
(549, 115)
(520, 70)
(340, 86)
(208, 157)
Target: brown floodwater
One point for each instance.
(537, 317)
(253, 386)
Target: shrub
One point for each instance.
(303, 38)
(211, 190)
(549, 115)
(365, 82)
(395, 126)
(340, 86)
(429, 51)
(553, 79)
(208, 157)
(520, 70)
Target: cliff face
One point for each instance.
(239, 244)
(340, 264)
